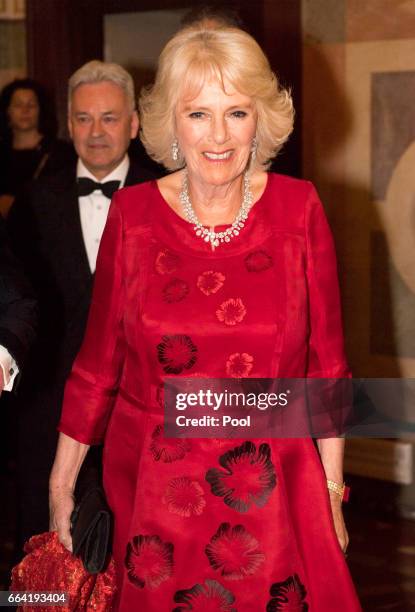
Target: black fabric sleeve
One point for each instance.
(18, 311)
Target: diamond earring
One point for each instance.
(175, 150)
(254, 147)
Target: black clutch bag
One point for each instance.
(91, 524)
(90, 529)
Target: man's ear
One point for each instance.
(135, 124)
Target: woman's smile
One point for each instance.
(218, 157)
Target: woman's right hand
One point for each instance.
(61, 505)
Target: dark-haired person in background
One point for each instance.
(28, 144)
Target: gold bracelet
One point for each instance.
(340, 490)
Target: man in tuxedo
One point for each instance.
(56, 231)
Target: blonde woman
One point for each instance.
(219, 269)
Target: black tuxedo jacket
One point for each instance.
(46, 233)
(17, 304)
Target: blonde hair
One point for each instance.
(196, 54)
(96, 71)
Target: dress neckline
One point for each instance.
(182, 234)
(219, 228)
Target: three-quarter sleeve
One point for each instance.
(326, 358)
(92, 385)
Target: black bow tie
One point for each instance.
(87, 186)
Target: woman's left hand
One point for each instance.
(339, 525)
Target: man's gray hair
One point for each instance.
(96, 71)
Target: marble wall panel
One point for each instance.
(376, 67)
(379, 19)
(393, 124)
(324, 21)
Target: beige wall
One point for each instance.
(12, 49)
(359, 149)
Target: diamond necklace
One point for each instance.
(208, 235)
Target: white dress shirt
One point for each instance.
(9, 367)
(93, 208)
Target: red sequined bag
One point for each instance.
(49, 566)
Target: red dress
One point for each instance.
(213, 525)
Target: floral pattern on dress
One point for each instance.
(235, 552)
(166, 262)
(208, 597)
(149, 561)
(184, 497)
(231, 311)
(239, 365)
(210, 282)
(175, 291)
(176, 353)
(167, 450)
(248, 477)
(258, 261)
(288, 596)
